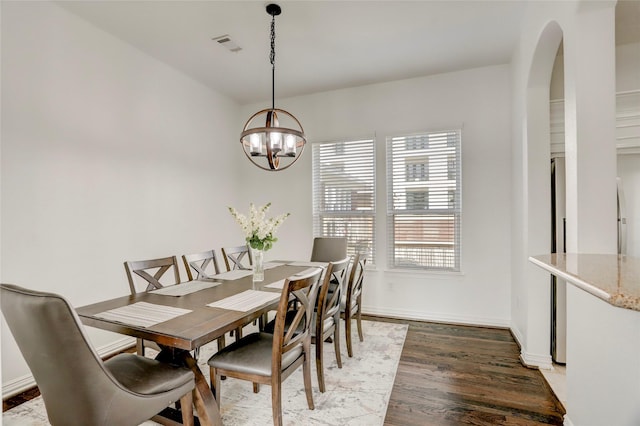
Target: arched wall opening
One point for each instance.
(536, 348)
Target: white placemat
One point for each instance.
(307, 263)
(270, 265)
(277, 285)
(280, 284)
(245, 301)
(233, 275)
(185, 288)
(142, 314)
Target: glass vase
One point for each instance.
(257, 258)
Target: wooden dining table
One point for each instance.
(198, 325)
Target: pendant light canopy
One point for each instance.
(273, 139)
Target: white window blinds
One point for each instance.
(424, 201)
(344, 194)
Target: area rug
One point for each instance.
(357, 394)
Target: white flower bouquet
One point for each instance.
(258, 229)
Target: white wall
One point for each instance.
(107, 155)
(627, 66)
(477, 100)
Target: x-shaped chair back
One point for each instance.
(234, 257)
(200, 263)
(302, 290)
(145, 268)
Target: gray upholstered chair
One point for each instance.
(77, 387)
(353, 299)
(140, 271)
(201, 265)
(270, 358)
(238, 257)
(328, 249)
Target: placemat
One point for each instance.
(245, 301)
(142, 314)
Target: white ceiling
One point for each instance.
(320, 45)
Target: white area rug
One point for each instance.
(357, 394)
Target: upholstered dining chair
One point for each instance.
(327, 314)
(139, 273)
(238, 257)
(353, 300)
(77, 387)
(201, 265)
(328, 249)
(271, 358)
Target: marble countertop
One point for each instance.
(613, 278)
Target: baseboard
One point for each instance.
(451, 319)
(539, 361)
(26, 382)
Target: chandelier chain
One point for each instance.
(272, 56)
(272, 59)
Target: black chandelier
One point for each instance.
(281, 139)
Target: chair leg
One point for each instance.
(319, 362)
(214, 380)
(336, 338)
(140, 347)
(347, 332)
(359, 321)
(276, 401)
(186, 407)
(306, 371)
(221, 343)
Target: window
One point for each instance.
(424, 201)
(344, 194)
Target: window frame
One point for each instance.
(440, 216)
(363, 208)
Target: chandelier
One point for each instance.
(273, 134)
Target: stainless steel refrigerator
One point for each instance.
(558, 240)
(628, 182)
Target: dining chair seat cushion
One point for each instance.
(328, 323)
(147, 376)
(252, 355)
(343, 305)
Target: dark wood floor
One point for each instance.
(460, 375)
(456, 375)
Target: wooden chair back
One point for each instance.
(236, 257)
(354, 285)
(351, 305)
(327, 315)
(292, 330)
(201, 266)
(145, 268)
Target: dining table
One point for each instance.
(183, 317)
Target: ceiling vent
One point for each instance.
(225, 40)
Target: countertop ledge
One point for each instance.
(610, 277)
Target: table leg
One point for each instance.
(205, 403)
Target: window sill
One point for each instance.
(423, 273)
